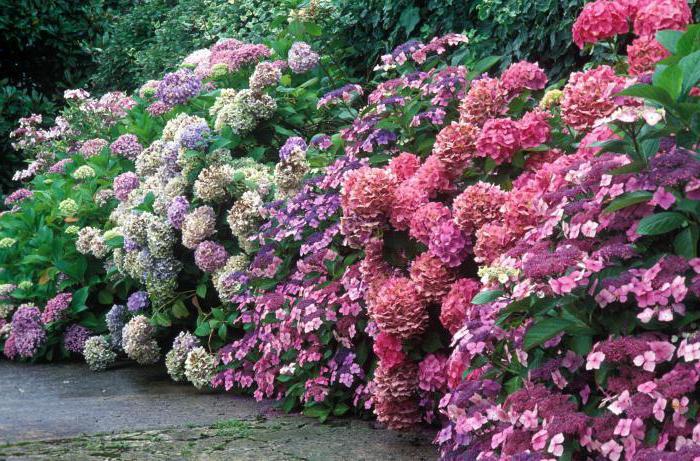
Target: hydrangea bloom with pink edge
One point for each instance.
(455, 145)
(534, 128)
(477, 205)
(404, 165)
(398, 309)
(431, 276)
(589, 96)
(389, 350)
(487, 98)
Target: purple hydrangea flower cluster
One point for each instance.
(60, 166)
(127, 145)
(321, 141)
(75, 337)
(27, 331)
(292, 144)
(236, 55)
(178, 87)
(124, 184)
(177, 211)
(137, 301)
(210, 256)
(195, 136)
(56, 307)
(18, 195)
(344, 93)
(302, 58)
(116, 319)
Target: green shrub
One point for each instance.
(154, 34)
(518, 29)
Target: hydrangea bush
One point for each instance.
(42, 272)
(512, 258)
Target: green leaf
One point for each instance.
(115, 242)
(161, 319)
(686, 242)
(409, 19)
(180, 310)
(544, 330)
(669, 39)
(340, 409)
(147, 204)
(203, 329)
(670, 79)
(105, 297)
(690, 66)
(661, 223)
(79, 297)
(482, 66)
(222, 331)
(202, 290)
(487, 296)
(629, 199)
(318, 411)
(649, 92)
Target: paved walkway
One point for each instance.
(64, 411)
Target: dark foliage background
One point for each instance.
(46, 46)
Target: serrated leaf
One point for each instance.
(661, 223)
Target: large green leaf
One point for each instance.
(487, 296)
(690, 66)
(544, 330)
(632, 198)
(648, 92)
(661, 223)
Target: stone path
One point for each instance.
(66, 412)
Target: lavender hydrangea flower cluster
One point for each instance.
(116, 319)
(176, 357)
(195, 136)
(178, 87)
(177, 210)
(138, 301)
(302, 58)
(127, 145)
(28, 332)
(55, 309)
(124, 184)
(210, 256)
(295, 143)
(75, 337)
(18, 196)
